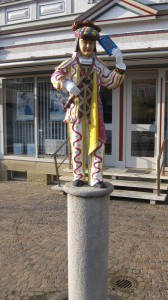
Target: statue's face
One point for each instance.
(86, 48)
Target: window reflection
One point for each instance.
(143, 101)
(142, 143)
(19, 116)
(19, 120)
(106, 98)
(108, 147)
(52, 130)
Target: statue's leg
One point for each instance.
(78, 150)
(95, 166)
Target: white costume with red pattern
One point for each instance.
(85, 115)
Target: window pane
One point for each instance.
(106, 98)
(142, 143)
(19, 116)
(108, 145)
(143, 101)
(52, 130)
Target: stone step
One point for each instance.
(67, 178)
(149, 176)
(67, 170)
(127, 173)
(139, 184)
(125, 183)
(138, 195)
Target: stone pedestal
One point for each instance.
(88, 231)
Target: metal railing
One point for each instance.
(161, 165)
(55, 159)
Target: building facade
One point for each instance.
(36, 36)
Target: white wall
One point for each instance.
(82, 5)
(1, 121)
(152, 1)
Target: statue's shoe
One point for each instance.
(100, 185)
(78, 183)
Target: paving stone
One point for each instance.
(33, 245)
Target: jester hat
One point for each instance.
(86, 30)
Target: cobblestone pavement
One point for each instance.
(33, 246)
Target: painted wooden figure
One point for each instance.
(82, 76)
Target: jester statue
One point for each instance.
(82, 76)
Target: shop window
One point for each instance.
(52, 132)
(19, 116)
(31, 125)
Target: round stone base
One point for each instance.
(64, 296)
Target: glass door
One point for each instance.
(106, 98)
(141, 118)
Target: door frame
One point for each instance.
(134, 161)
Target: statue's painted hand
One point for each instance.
(71, 87)
(75, 90)
(119, 58)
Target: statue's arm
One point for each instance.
(61, 80)
(112, 79)
(58, 77)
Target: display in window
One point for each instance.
(57, 102)
(25, 106)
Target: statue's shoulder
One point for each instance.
(99, 63)
(67, 62)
